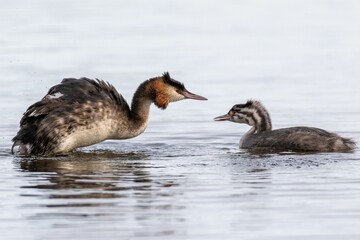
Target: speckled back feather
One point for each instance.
(42, 125)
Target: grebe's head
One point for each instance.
(242, 113)
(167, 89)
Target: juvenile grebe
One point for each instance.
(81, 112)
(263, 137)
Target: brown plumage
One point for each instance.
(82, 112)
(261, 136)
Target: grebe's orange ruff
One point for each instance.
(81, 112)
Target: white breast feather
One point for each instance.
(86, 136)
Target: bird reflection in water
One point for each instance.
(92, 175)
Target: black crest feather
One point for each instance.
(172, 81)
(167, 77)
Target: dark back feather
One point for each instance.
(299, 139)
(77, 103)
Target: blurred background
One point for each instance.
(185, 177)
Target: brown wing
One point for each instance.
(72, 103)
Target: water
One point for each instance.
(185, 177)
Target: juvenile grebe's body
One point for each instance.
(82, 112)
(262, 136)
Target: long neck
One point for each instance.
(260, 119)
(140, 106)
(130, 122)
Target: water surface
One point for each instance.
(185, 177)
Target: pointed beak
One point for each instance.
(190, 95)
(225, 117)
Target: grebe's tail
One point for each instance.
(16, 143)
(24, 149)
(349, 143)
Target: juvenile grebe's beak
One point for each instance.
(190, 95)
(225, 117)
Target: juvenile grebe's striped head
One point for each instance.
(167, 89)
(252, 113)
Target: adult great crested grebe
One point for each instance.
(261, 135)
(81, 112)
